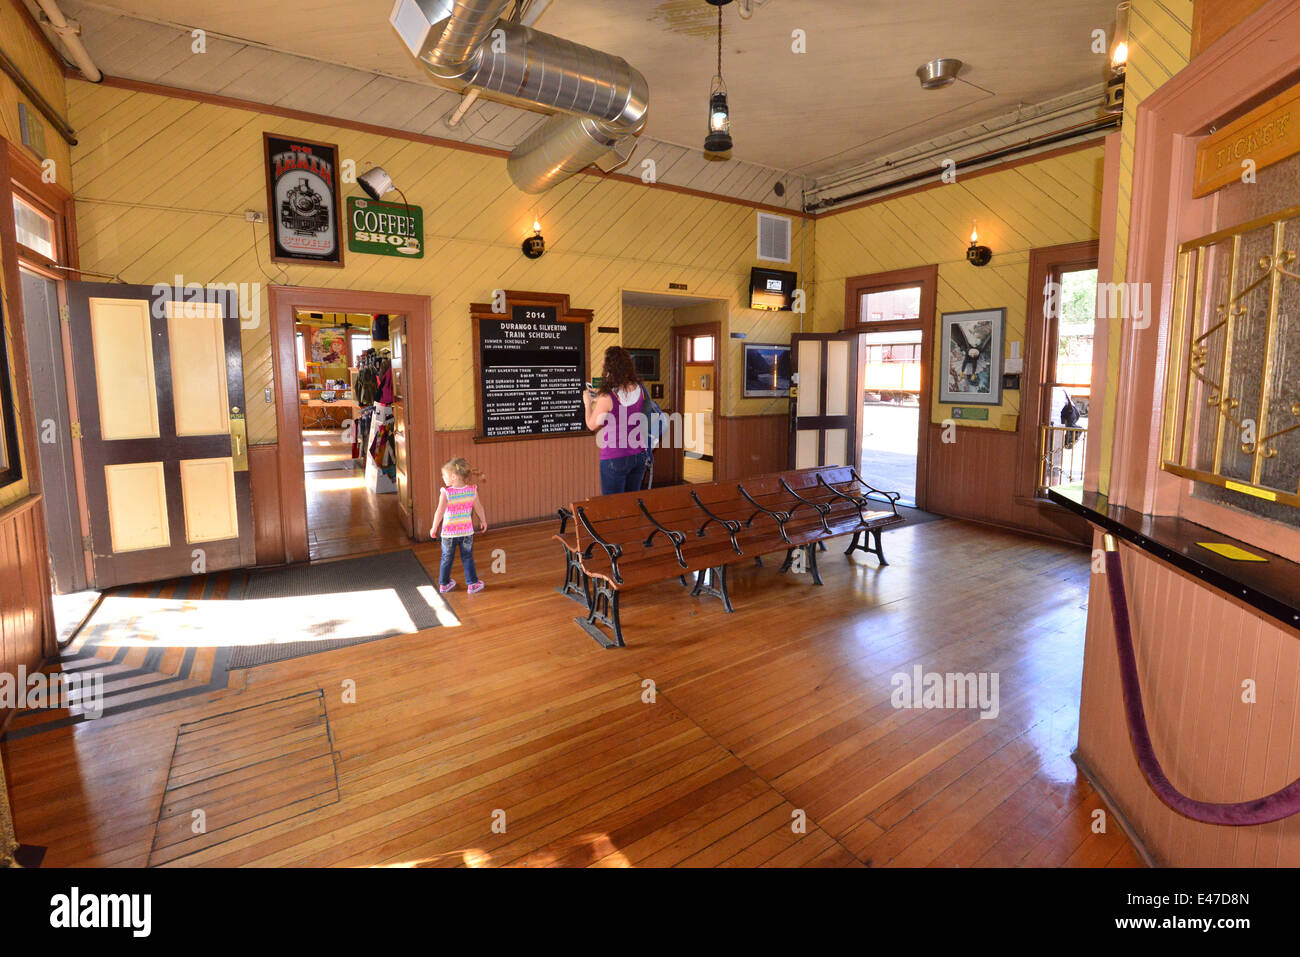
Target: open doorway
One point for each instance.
(675, 342)
(355, 416)
(349, 378)
(893, 314)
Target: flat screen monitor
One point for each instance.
(772, 289)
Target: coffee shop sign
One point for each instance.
(385, 229)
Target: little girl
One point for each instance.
(457, 506)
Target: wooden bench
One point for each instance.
(640, 538)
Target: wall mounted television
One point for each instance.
(772, 289)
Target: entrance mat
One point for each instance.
(915, 516)
(308, 609)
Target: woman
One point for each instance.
(615, 412)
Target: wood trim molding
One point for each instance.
(927, 277)
(285, 303)
(1043, 263)
(139, 86)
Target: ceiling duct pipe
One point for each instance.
(602, 100)
(70, 33)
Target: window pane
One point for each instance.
(703, 349)
(1075, 329)
(35, 229)
(302, 352)
(360, 343)
(891, 305)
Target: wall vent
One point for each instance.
(774, 238)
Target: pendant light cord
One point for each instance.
(719, 42)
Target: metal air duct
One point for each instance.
(602, 99)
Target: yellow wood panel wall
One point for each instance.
(648, 327)
(162, 184)
(1160, 43)
(1046, 203)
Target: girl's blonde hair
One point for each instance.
(461, 469)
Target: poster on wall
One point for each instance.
(302, 195)
(767, 371)
(328, 347)
(972, 357)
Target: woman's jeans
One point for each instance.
(449, 546)
(623, 474)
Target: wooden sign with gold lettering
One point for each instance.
(1266, 135)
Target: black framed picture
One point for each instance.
(302, 201)
(767, 370)
(972, 357)
(646, 363)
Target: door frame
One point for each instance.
(285, 302)
(1043, 263)
(927, 277)
(680, 335)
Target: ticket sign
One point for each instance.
(385, 229)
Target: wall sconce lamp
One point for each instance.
(535, 245)
(1118, 63)
(377, 184)
(976, 254)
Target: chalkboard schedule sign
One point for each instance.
(533, 367)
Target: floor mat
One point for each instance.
(313, 608)
(915, 516)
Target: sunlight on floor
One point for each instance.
(334, 484)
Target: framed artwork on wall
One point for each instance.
(646, 363)
(302, 199)
(767, 370)
(972, 356)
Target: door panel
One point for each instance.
(160, 394)
(49, 383)
(826, 414)
(401, 441)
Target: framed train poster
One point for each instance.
(302, 201)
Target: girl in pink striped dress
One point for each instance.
(457, 506)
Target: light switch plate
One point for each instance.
(270, 395)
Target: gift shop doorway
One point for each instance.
(353, 372)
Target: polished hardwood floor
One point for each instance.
(513, 739)
(343, 516)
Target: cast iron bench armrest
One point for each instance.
(820, 508)
(676, 538)
(858, 502)
(731, 525)
(890, 497)
(564, 516)
(781, 517)
(615, 552)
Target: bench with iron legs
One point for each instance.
(639, 538)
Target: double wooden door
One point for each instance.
(826, 399)
(160, 401)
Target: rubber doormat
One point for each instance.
(308, 609)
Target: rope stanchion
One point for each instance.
(1276, 806)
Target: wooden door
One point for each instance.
(826, 409)
(401, 440)
(160, 396)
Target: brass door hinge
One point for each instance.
(65, 313)
(76, 430)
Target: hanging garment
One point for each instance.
(381, 450)
(386, 385)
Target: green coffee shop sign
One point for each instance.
(385, 229)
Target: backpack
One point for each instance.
(655, 422)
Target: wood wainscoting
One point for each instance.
(752, 445)
(1195, 647)
(268, 520)
(26, 616)
(975, 478)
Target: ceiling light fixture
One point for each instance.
(717, 145)
(939, 73)
(377, 184)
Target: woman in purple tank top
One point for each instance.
(616, 413)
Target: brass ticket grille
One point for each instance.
(1232, 402)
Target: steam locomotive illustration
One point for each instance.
(303, 210)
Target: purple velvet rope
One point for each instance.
(1274, 807)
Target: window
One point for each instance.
(302, 352)
(34, 229)
(702, 349)
(891, 305)
(1070, 307)
(360, 343)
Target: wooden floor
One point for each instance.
(515, 740)
(343, 516)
